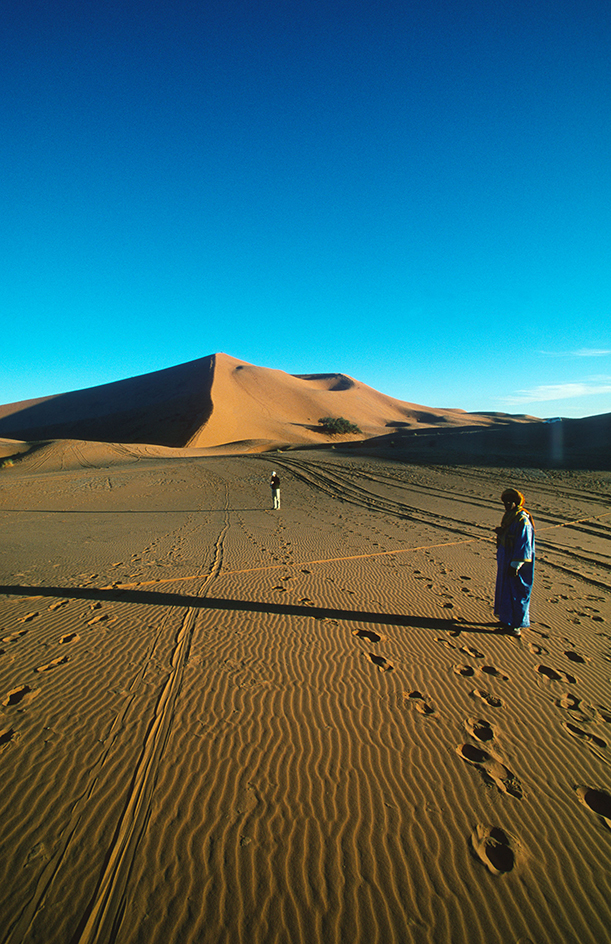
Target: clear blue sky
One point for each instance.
(413, 192)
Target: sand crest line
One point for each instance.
(332, 560)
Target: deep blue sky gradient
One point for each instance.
(417, 194)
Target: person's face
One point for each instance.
(509, 505)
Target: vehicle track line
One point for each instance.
(105, 911)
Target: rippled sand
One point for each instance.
(221, 723)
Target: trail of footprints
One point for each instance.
(488, 762)
(495, 847)
(21, 696)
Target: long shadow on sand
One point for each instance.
(126, 511)
(151, 598)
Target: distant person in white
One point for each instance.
(275, 484)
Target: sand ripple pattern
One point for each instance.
(254, 726)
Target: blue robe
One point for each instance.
(512, 595)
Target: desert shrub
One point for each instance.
(336, 425)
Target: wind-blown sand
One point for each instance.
(221, 723)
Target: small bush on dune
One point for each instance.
(336, 425)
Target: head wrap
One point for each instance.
(512, 495)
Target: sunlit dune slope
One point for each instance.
(251, 402)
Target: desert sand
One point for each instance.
(221, 400)
(224, 723)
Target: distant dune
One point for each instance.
(219, 401)
(568, 443)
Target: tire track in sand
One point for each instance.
(103, 914)
(106, 910)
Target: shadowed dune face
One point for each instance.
(165, 408)
(580, 444)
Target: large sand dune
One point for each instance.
(219, 401)
(223, 723)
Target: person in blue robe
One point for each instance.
(515, 557)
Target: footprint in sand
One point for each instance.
(57, 604)
(6, 736)
(19, 696)
(480, 728)
(421, 704)
(367, 634)
(383, 664)
(569, 702)
(537, 650)
(71, 637)
(52, 665)
(493, 846)
(472, 652)
(556, 676)
(492, 770)
(97, 619)
(27, 617)
(574, 656)
(37, 853)
(14, 636)
(583, 735)
(306, 601)
(424, 708)
(491, 670)
(598, 801)
(491, 700)
(466, 670)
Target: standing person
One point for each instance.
(275, 484)
(515, 556)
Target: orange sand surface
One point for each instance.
(221, 723)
